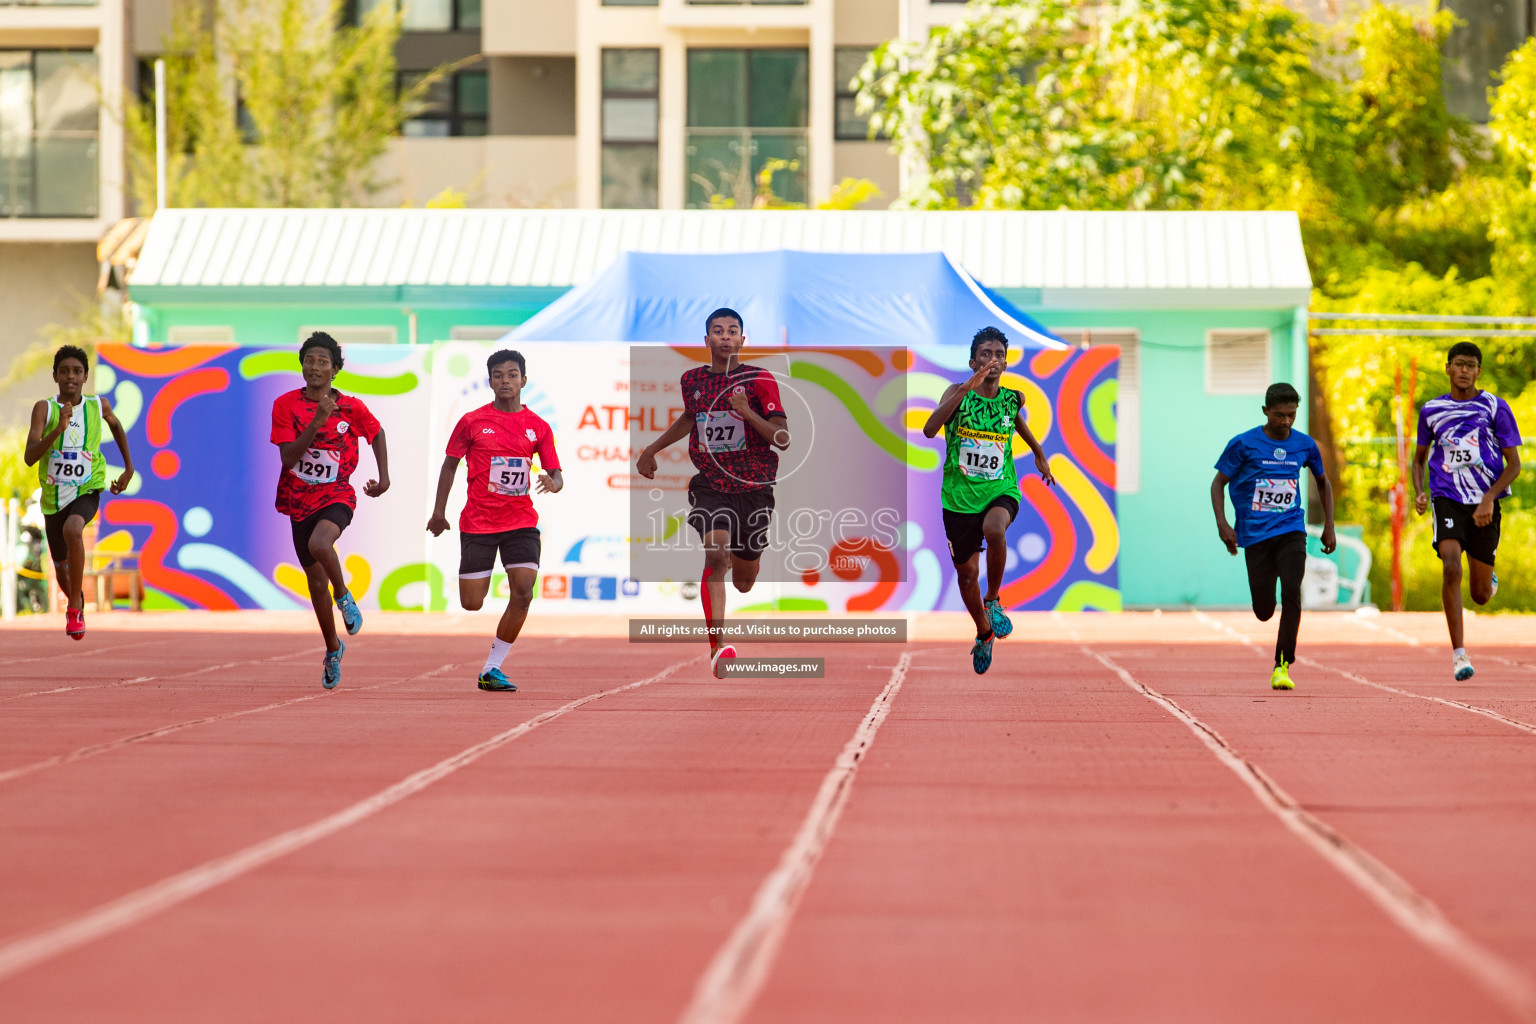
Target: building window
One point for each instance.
(422, 15)
(456, 104)
(747, 113)
(631, 114)
(1127, 398)
(49, 162)
(849, 123)
(1237, 362)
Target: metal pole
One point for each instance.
(160, 134)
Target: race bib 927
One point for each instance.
(69, 467)
(1275, 495)
(509, 475)
(721, 430)
(318, 466)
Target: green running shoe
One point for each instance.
(1280, 679)
(496, 679)
(981, 655)
(1002, 625)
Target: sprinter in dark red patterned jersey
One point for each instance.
(736, 428)
(316, 429)
(501, 441)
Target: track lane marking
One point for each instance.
(145, 903)
(82, 753)
(83, 654)
(146, 679)
(739, 968)
(1353, 677)
(1414, 912)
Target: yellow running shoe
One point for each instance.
(1280, 679)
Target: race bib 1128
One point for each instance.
(982, 459)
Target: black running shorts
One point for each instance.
(1453, 521)
(84, 506)
(303, 529)
(744, 515)
(519, 549)
(963, 529)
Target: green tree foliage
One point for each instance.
(1246, 104)
(272, 104)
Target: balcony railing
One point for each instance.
(49, 174)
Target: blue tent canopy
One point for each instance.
(802, 298)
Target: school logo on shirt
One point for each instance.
(1279, 453)
(341, 428)
(530, 434)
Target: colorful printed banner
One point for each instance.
(201, 508)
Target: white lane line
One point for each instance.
(1463, 705)
(165, 730)
(1411, 641)
(145, 679)
(1414, 912)
(76, 655)
(145, 903)
(740, 967)
(1355, 678)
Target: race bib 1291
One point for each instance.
(318, 466)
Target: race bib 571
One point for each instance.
(509, 475)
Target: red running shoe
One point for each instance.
(723, 653)
(74, 623)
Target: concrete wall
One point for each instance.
(496, 171)
(872, 160)
(40, 284)
(533, 95)
(529, 26)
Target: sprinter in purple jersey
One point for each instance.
(1476, 457)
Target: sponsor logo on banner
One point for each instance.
(594, 588)
(554, 587)
(630, 588)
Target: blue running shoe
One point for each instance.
(1002, 625)
(496, 679)
(1495, 591)
(350, 614)
(332, 673)
(981, 655)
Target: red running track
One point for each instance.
(196, 832)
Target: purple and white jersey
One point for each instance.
(1468, 438)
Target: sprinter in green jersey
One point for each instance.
(64, 442)
(980, 493)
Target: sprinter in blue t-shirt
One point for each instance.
(1263, 467)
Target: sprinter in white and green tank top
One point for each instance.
(64, 442)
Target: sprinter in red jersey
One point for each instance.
(316, 429)
(735, 424)
(500, 440)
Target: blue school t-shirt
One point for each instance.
(1265, 485)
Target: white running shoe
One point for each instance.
(1461, 665)
(714, 663)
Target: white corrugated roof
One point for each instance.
(1241, 257)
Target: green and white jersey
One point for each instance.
(978, 451)
(73, 466)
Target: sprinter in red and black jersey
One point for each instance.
(316, 429)
(736, 427)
